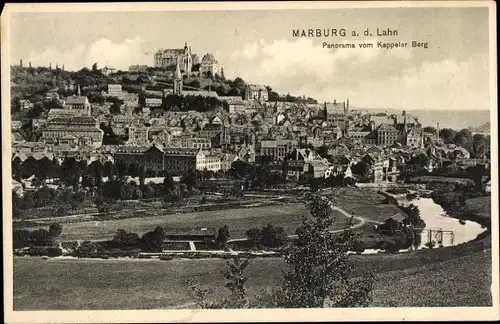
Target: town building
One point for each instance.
(208, 161)
(115, 90)
(196, 142)
(83, 128)
(79, 104)
(26, 105)
(138, 68)
(387, 135)
(107, 70)
(210, 66)
(137, 135)
(276, 149)
(256, 92)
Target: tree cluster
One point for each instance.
(267, 236)
(39, 237)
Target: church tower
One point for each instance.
(325, 112)
(178, 80)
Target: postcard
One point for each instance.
(250, 162)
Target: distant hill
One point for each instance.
(484, 128)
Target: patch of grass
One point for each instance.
(441, 179)
(443, 277)
(364, 203)
(480, 206)
(465, 281)
(239, 221)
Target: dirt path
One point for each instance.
(362, 222)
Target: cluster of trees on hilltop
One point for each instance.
(475, 144)
(197, 103)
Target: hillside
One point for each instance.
(33, 83)
(484, 128)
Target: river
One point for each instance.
(436, 219)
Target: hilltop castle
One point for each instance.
(208, 66)
(171, 56)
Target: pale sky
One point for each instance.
(453, 73)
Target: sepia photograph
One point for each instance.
(295, 161)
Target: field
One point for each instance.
(432, 278)
(441, 179)
(453, 276)
(239, 221)
(465, 281)
(480, 206)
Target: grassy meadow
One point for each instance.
(455, 276)
(239, 221)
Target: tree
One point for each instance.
(480, 145)
(55, 229)
(36, 182)
(223, 236)
(421, 159)
(107, 169)
(235, 283)
(448, 135)
(429, 129)
(70, 172)
(16, 169)
(40, 237)
(115, 108)
(254, 235)
(168, 184)
(190, 179)
(121, 169)
(125, 239)
(320, 275)
(153, 241)
(464, 139)
(94, 67)
(362, 168)
(272, 236)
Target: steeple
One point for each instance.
(437, 134)
(178, 74)
(404, 115)
(78, 91)
(178, 80)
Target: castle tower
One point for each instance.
(325, 112)
(178, 80)
(438, 138)
(404, 116)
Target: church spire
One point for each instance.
(178, 80)
(178, 74)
